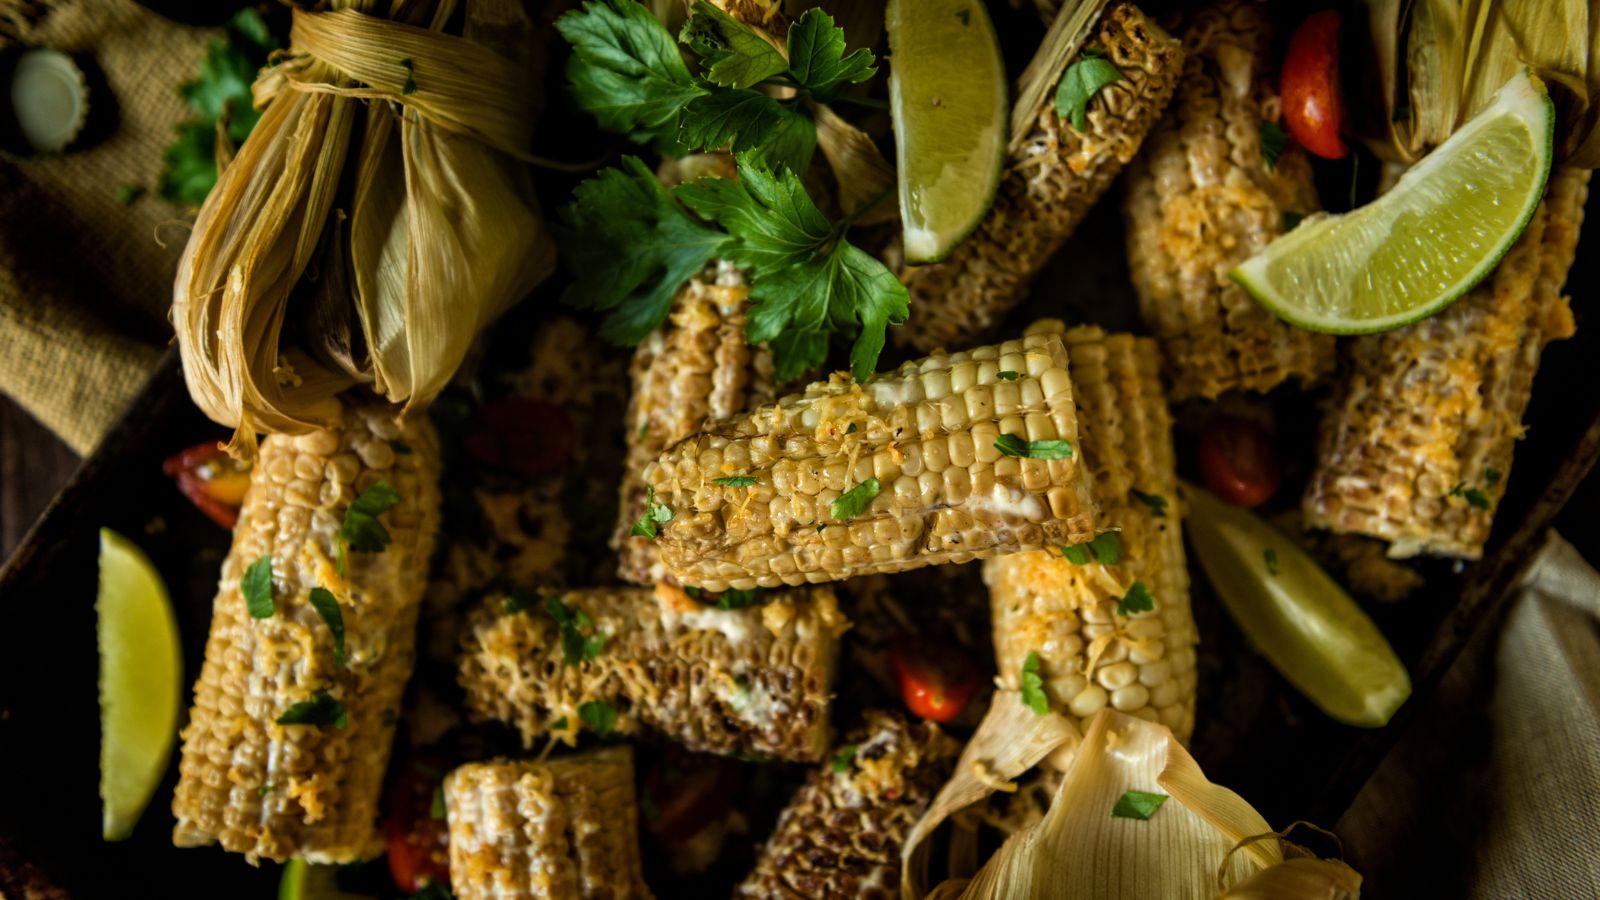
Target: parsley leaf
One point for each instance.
(817, 59)
(1077, 554)
(1271, 557)
(629, 247)
(1105, 549)
(1033, 695)
(1274, 140)
(579, 641)
(626, 69)
(1008, 375)
(846, 756)
(1137, 600)
(733, 54)
(1082, 80)
(222, 88)
(653, 513)
(855, 501)
(761, 129)
(599, 716)
(361, 528)
(327, 606)
(807, 279)
(559, 724)
(1139, 805)
(1013, 445)
(256, 585)
(321, 709)
(733, 598)
(1472, 495)
(1491, 477)
(1156, 502)
(735, 481)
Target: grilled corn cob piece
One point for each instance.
(564, 828)
(270, 790)
(925, 434)
(1416, 446)
(1202, 198)
(693, 371)
(1052, 176)
(840, 837)
(1090, 655)
(752, 680)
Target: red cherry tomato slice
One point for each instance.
(1313, 102)
(418, 843)
(522, 434)
(686, 792)
(211, 480)
(936, 677)
(1237, 461)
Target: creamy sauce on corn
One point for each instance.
(733, 624)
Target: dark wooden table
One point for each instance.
(34, 464)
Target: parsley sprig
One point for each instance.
(654, 514)
(1033, 695)
(580, 640)
(1080, 82)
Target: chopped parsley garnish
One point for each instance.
(1156, 502)
(1012, 445)
(256, 585)
(321, 709)
(520, 599)
(1274, 140)
(1105, 549)
(1271, 557)
(1082, 80)
(220, 94)
(733, 598)
(855, 501)
(400, 447)
(599, 716)
(437, 811)
(654, 513)
(327, 606)
(559, 724)
(735, 481)
(851, 429)
(1033, 696)
(1137, 600)
(842, 762)
(1008, 375)
(1139, 805)
(410, 87)
(579, 641)
(361, 529)
(1491, 477)
(1472, 495)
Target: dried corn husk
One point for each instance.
(1061, 44)
(1439, 62)
(1204, 840)
(306, 276)
(864, 176)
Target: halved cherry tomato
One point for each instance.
(686, 792)
(936, 676)
(522, 434)
(1238, 461)
(419, 842)
(212, 480)
(1313, 102)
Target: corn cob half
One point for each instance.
(1095, 646)
(751, 680)
(310, 790)
(559, 829)
(841, 835)
(900, 472)
(1203, 198)
(1052, 177)
(696, 369)
(1416, 445)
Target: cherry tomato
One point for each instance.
(418, 841)
(686, 792)
(936, 676)
(1238, 461)
(1313, 102)
(522, 434)
(213, 481)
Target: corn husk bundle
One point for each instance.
(378, 216)
(1439, 62)
(1203, 841)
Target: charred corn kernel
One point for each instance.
(564, 829)
(693, 371)
(1091, 654)
(1203, 198)
(751, 680)
(1051, 179)
(1417, 443)
(841, 834)
(817, 511)
(276, 791)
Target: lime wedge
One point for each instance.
(141, 672)
(947, 92)
(1416, 249)
(1311, 631)
(303, 881)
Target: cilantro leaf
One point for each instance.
(733, 598)
(845, 757)
(1137, 600)
(599, 716)
(327, 606)
(630, 246)
(361, 528)
(1274, 140)
(625, 68)
(748, 122)
(1491, 476)
(1139, 805)
(1008, 375)
(1014, 445)
(735, 481)
(1077, 554)
(256, 585)
(576, 644)
(1472, 495)
(1033, 695)
(222, 87)
(1156, 502)
(1105, 549)
(733, 54)
(653, 513)
(855, 501)
(1083, 79)
(321, 709)
(817, 59)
